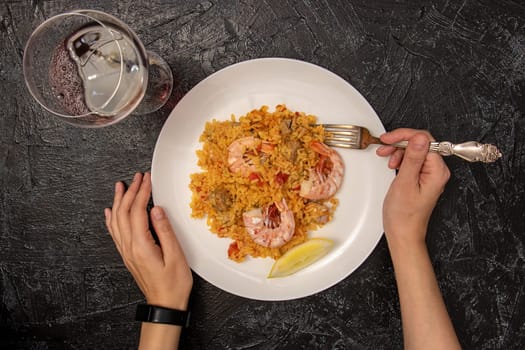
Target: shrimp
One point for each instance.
(240, 150)
(238, 157)
(271, 227)
(325, 179)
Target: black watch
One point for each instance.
(159, 314)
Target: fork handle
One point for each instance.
(471, 151)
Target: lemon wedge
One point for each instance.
(300, 257)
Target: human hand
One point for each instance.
(161, 271)
(415, 190)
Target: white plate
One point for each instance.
(237, 89)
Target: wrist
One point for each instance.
(402, 243)
(406, 232)
(179, 302)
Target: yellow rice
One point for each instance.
(221, 196)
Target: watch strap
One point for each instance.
(159, 314)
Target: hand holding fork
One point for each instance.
(357, 137)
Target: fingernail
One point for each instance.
(136, 177)
(419, 143)
(418, 146)
(157, 213)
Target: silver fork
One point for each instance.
(358, 137)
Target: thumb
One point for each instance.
(167, 239)
(415, 155)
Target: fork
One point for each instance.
(358, 137)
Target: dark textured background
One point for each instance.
(454, 67)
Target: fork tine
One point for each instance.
(341, 144)
(341, 138)
(342, 126)
(343, 130)
(343, 135)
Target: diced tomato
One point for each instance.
(254, 177)
(233, 249)
(280, 178)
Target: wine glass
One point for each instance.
(91, 70)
